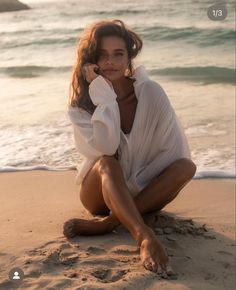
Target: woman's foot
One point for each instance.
(97, 226)
(154, 257)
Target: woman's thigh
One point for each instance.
(91, 192)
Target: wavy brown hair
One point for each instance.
(87, 51)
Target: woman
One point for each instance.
(137, 157)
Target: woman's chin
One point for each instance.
(113, 78)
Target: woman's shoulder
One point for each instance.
(154, 91)
(153, 86)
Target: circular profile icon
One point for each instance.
(16, 275)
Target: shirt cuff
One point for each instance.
(101, 92)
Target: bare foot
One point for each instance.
(154, 257)
(97, 226)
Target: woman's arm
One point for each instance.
(98, 134)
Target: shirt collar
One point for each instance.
(140, 75)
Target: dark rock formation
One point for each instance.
(12, 5)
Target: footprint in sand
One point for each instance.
(96, 250)
(125, 250)
(34, 271)
(42, 250)
(126, 254)
(99, 261)
(53, 252)
(66, 257)
(225, 265)
(53, 242)
(209, 276)
(224, 253)
(107, 275)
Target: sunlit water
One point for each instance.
(189, 55)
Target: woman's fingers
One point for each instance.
(88, 72)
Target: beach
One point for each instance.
(35, 205)
(193, 59)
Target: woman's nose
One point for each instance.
(109, 59)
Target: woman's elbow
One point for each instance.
(110, 147)
(110, 151)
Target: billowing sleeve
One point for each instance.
(98, 134)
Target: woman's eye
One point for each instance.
(103, 55)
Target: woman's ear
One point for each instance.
(128, 71)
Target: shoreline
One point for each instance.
(204, 174)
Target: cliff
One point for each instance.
(12, 5)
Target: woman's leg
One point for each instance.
(117, 197)
(94, 196)
(162, 189)
(155, 196)
(92, 199)
(166, 186)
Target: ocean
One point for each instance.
(189, 55)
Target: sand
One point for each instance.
(197, 230)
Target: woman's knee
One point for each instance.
(108, 165)
(186, 168)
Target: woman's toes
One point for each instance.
(154, 267)
(151, 266)
(68, 229)
(161, 272)
(166, 271)
(147, 264)
(169, 270)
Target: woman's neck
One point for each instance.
(123, 87)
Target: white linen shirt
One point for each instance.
(156, 139)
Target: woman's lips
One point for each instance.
(109, 71)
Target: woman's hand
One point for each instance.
(88, 71)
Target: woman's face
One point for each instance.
(112, 57)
